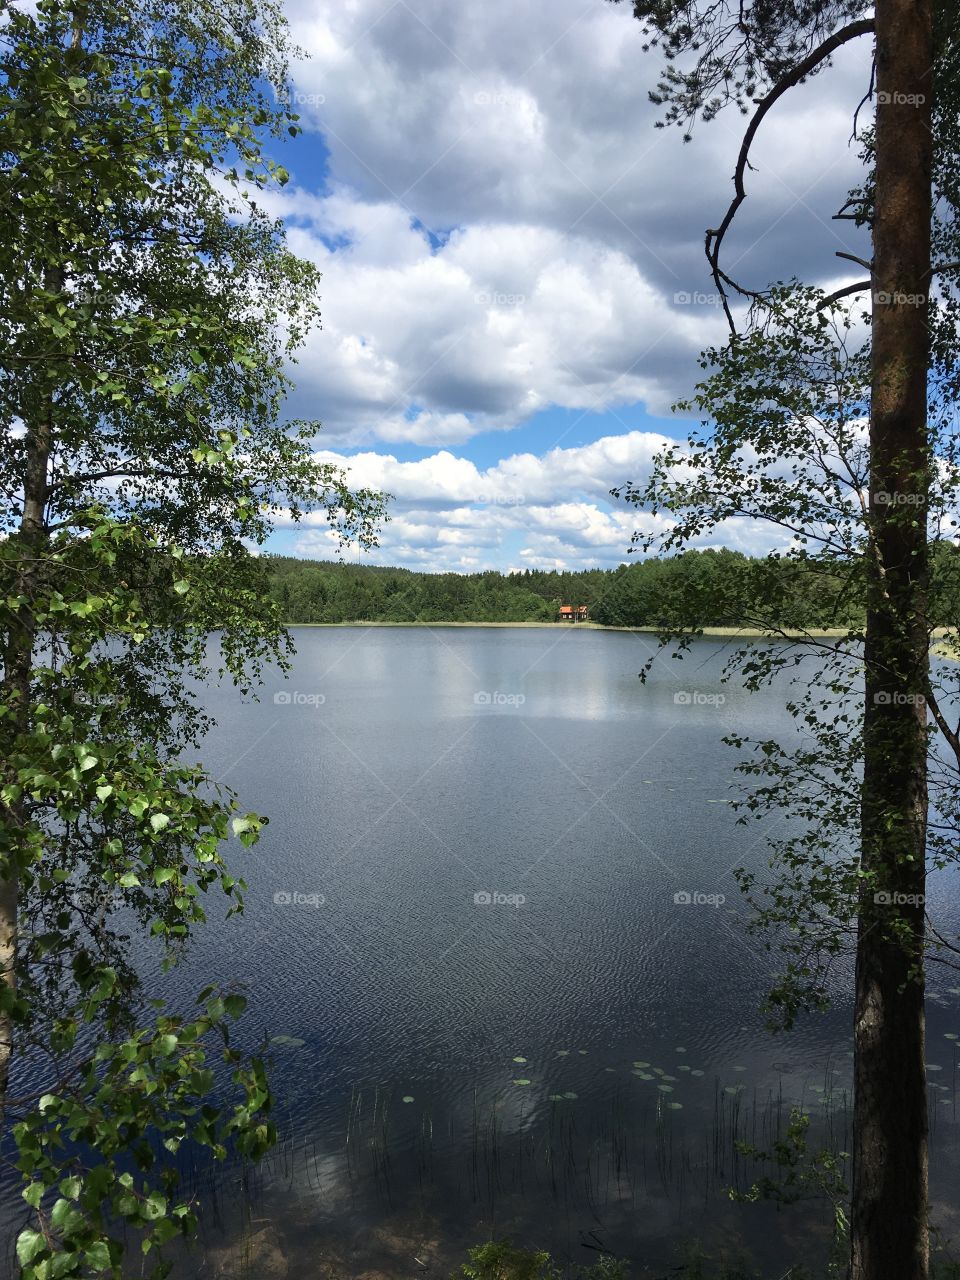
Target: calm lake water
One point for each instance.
(490, 1012)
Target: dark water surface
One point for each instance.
(568, 1059)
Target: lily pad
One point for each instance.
(696, 1072)
(675, 1106)
(642, 1065)
(644, 1075)
(407, 1097)
(521, 1081)
(570, 1096)
(288, 1042)
(563, 1053)
(520, 1060)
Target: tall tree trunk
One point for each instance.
(889, 1203)
(19, 643)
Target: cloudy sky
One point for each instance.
(514, 286)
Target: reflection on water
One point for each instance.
(494, 935)
(623, 1172)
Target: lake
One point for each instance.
(493, 932)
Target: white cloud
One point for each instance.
(434, 347)
(551, 510)
(525, 112)
(502, 230)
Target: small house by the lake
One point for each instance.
(573, 613)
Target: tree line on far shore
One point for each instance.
(708, 588)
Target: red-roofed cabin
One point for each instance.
(573, 613)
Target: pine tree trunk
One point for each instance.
(889, 1201)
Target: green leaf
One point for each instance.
(155, 1206)
(29, 1244)
(98, 1256)
(159, 821)
(33, 1194)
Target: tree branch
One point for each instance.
(852, 257)
(865, 284)
(714, 237)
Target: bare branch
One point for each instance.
(852, 257)
(844, 293)
(714, 237)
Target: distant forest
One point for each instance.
(697, 588)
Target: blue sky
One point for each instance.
(514, 288)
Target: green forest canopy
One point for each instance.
(698, 588)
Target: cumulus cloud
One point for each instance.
(434, 346)
(551, 510)
(520, 111)
(502, 230)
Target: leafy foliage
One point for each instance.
(148, 310)
(501, 1260)
(732, 52)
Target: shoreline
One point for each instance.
(717, 632)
